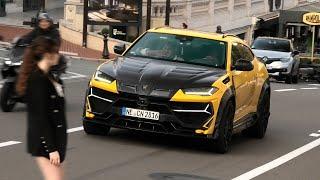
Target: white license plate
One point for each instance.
(139, 113)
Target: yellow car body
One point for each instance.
(243, 89)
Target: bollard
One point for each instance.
(105, 52)
(3, 12)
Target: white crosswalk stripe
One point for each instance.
(312, 88)
(285, 90)
(314, 84)
(314, 135)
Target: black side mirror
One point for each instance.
(294, 53)
(243, 65)
(119, 48)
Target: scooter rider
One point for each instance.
(44, 27)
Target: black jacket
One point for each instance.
(46, 116)
(52, 32)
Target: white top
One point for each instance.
(58, 88)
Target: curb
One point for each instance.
(88, 59)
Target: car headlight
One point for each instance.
(207, 91)
(7, 62)
(285, 59)
(100, 76)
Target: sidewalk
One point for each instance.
(11, 27)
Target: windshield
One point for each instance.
(177, 48)
(272, 45)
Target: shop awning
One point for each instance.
(309, 7)
(269, 16)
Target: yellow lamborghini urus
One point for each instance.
(181, 82)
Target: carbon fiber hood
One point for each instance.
(160, 78)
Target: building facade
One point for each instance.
(234, 16)
(240, 17)
(29, 5)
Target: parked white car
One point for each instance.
(281, 60)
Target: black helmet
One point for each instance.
(44, 16)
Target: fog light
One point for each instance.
(89, 115)
(199, 131)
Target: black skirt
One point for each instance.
(42, 153)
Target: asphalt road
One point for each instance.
(287, 152)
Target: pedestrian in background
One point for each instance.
(219, 30)
(184, 26)
(46, 129)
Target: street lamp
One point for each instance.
(167, 22)
(3, 8)
(148, 25)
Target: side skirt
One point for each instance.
(244, 123)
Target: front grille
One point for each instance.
(98, 105)
(146, 126)
(100, 101)
(178, 114)
(271, 60)
(277, 70)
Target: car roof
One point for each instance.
(275, 38)
(199, 34)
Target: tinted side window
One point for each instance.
(235, 53)
(247, 54)
(240, 51)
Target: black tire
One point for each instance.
(95, 129)
(278, 78)
(6, 101)
(258, 130)
(289, 79)
(222, 143)
(295, 79)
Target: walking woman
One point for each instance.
(46, 133)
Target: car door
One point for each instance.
(242, 80)
(251, 76)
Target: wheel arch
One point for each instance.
(229, 95)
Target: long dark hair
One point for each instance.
(32, 55)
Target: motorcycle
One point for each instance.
(10, 70)
(310, 70)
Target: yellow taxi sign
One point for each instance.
(312, 18)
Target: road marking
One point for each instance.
(2, 49)
(71, 77)
(314, 135)
(77, 74)
(9, 143)
(74, 76)
(285, 90)
(75, 129)
(314, 84)
(277, 162)
(309, 88)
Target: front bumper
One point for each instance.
(177, 118)
(279, 68)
